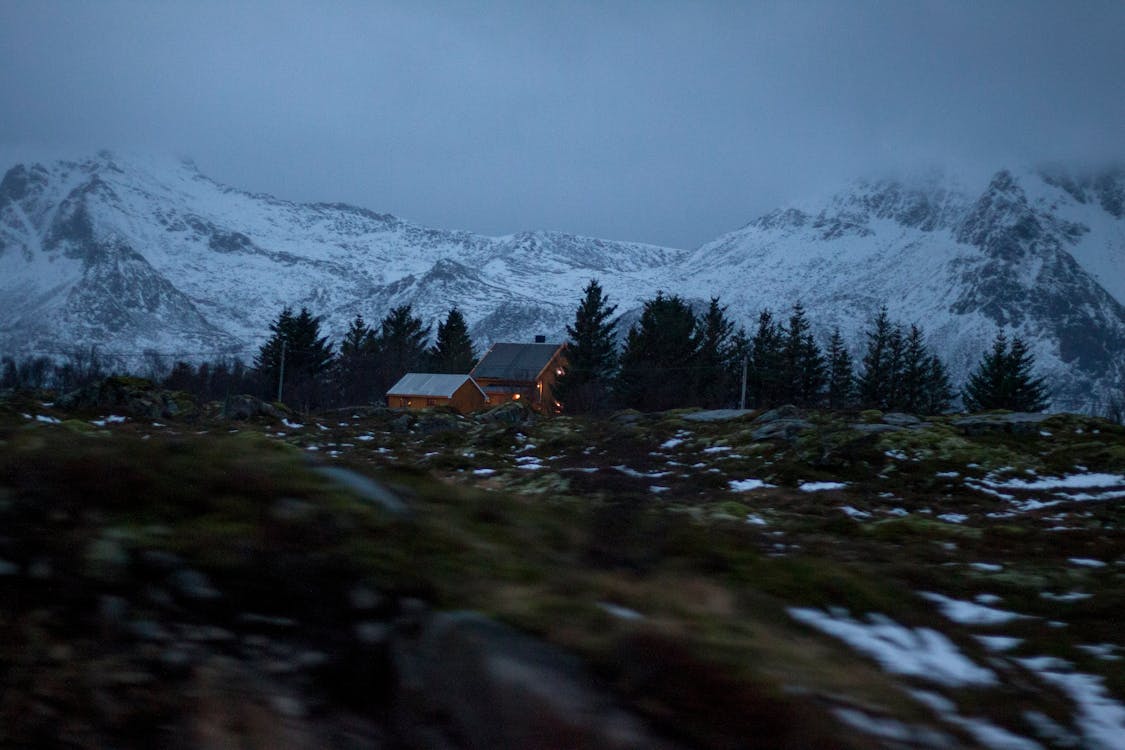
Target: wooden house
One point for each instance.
(418, 390)
(522, 372)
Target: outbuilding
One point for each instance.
(419, 390)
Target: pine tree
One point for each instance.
(915, 373)
(1003, 380)
(767, 358)
(307, 357)
(659, 355)
(938, 391)
(876, 381)
(453, 351)
(714, 374)
(591, 354)
(802, 376)
(356, 363)
(400, 346)
(840, 375)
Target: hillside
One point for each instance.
(687, 579)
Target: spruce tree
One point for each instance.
(1003, 380)
(307, 357)
(875, 381)
(802, 375)
(713, 360)
(453, 351)
(355, 364)
(840, 374)
(659, 356)
(591, 354)
(938, 391)
(767, 362)
(400, 346)
(915, 373)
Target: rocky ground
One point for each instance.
(178, 574)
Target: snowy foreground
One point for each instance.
(866, 583)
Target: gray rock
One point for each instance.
(717, 415)
(498, 688)
(366, 488)
(290, 509)
(875, 427)
(780, 429)
(787, 411)
(511, 412)
(1020, 423)
(245, 406)
(107, 559)
(364, 598)
(193, 585)
(901, 419)
(372, 633)
(8, 569)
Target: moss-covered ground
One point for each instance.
(637, 541)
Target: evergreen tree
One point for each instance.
(740, 351)
(714, 368)
(938, 391)
(356, 363)
(915, 373)
(307, 356)
(400, 346)
(767, 357)
(1003, 380)
(840, 375)
(659, 354)
(453, 351)
(802, 376)
(876, 381)
(591, 354)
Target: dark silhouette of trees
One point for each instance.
(307, 357)
(767, 358)
(658, 356)
(356, 364)
(591, 354)
(453, 350)
(715, 368)
(401, 346)
(802, 376)
(1003, 380)
(840, 374)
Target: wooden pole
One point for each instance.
(281, 372)
(742, 399)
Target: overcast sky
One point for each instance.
(665, 122)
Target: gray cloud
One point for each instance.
(656, 121)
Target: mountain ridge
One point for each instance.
(132, 255)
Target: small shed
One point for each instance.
(418, 390)
(522, 372)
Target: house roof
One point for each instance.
(430, 384)
(515, 361)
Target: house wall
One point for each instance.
(467, 398)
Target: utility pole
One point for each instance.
(281, 372)
(742, 399)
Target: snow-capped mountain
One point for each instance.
(134, 254)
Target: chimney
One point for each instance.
(540, 339)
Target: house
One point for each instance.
(522, 372)
(418, 390)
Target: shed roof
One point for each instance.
(431, 384)
(515, 361)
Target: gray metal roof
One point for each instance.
(430, 384)
(515, 361)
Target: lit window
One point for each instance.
(516, 397)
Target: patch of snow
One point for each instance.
(745, 485)
(855, 512)
(900, 512)
(1086, 562)
(916, 652)
(365, 438)
(756, 520)
(672, 443)
(1100, 718)
(1074, 481)
(656, 489)
(953, 517)
(892, 729)
(717, 449)
(1070, 596)
(1103, 651)
(640, 474)
(46, 420)
(621, 613)
(987, 567)
(821, 486)
(998, 642)
(970, 613)
(986, 733)
(484, 472)
(987, 599)
(948, 474)
(291, 425)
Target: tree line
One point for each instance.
(673, 357)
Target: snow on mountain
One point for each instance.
(137, 254)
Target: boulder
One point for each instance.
(510, 412)
(244, 406)
(469, 682)
(782, 412)
(783, 429)
(1016, 423)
